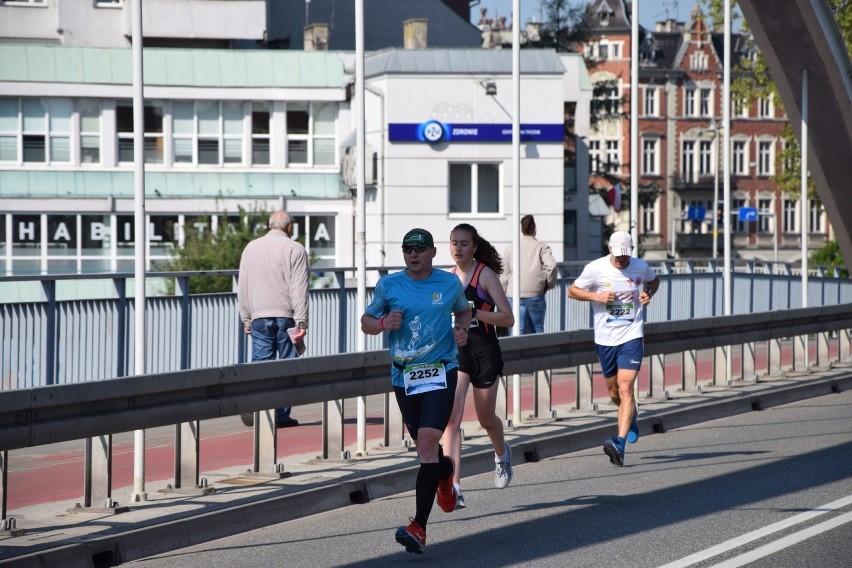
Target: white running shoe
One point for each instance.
(503, 469)
(460, 501)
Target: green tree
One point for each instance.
(750, 80)
(219, 249)
(564, 28)
(829, 255)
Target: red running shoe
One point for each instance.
(446, 490)
(412, 537)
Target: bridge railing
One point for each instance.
(68, 329)
(94, 410)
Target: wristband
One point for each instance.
(382, 323)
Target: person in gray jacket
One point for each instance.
(273, 298)
(538, 275)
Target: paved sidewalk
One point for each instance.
(58, 535)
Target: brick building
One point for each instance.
(680, 141)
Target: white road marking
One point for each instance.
(785, 542)
(760, 533)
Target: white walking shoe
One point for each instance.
(503, 469)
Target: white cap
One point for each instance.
(621, 243)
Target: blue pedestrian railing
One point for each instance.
(62, 329)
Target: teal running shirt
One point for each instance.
(427, 318)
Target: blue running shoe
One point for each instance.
(633, 433)
(615, 451)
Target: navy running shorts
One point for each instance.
(625, 356)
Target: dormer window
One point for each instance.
(605, 15)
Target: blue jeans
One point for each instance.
(269, 339)
(532, 314)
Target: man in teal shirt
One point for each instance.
(417, 307)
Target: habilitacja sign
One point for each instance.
(433, 132)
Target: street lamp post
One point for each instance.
(714, 131)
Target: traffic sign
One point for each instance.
(696, 213)
(747, 214)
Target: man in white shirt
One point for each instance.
(619, 286)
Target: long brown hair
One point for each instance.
(485, 251)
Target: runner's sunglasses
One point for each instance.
(408, 249)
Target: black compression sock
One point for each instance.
(427, 487)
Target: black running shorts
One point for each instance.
(430, 409)
(482, 359)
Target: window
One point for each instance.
(613, 155)
(38, 130)
(765, 216)
(651, 102)
(736, 225)
(739, 158)
(319, 235)
(90, 130)
(689, 102)
(604, 155)
(9, 129)
(25, 2)
(698, 61)
(35, 130)
(650, 157)
(765, 108)
(310, 134)
(705, 157)
(649, 218)
(45, 130)
(474, 188)
(260, 138)
(606, 101)
(207, 133)
(595, 155)
(706, 102)
(603, 50)
(153, 121)
(815, 215)
(687, 161)
(298, 128)
(739, 108)
(765, 158)
(788, 156)
(324, 143)
(791, 217)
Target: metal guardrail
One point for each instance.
(93, 411)
(45, 415)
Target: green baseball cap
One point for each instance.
(418, 237)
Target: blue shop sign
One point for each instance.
(433, 131)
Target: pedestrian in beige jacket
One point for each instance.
(273, 298)
(538, 275)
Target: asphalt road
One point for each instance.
(767, 488)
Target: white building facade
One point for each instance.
(445, 153)
(258, 130)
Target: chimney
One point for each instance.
(414, 32)
(316, 37)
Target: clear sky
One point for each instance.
(650, 11)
